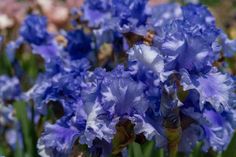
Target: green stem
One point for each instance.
(173, 137)
(173, 131)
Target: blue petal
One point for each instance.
(143, 126)
(98, 125)
(47, 51)
(79, 44)
(9, 88)
(217, 130)
(96, 16)
(218, 134)
(6, 115)
(229, 46)
(12, 47)
(150, 58)
(215, 88)
(34, 29)
(57, 140)
(123, 95)
(164, 14)
(190, 137)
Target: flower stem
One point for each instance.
(173, 131)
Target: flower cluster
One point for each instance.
(127, 71)
(10, 90)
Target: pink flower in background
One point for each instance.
(74, 3)
(56, 12)
(5, 21)
(154, 2)
(12, 14)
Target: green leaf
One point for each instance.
(5, 64)
(135, 150)
(159, 153)
(2, 151)
(27, 127)
(197, 151)
(19, 151)
(230, 152)
(130, 151)
(148, 149)
(210, 2)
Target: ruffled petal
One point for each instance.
(142, 126)
(9, 88)
(57, 140)
(215, 88)
(150, 58)
(228, 46)
(190, 137)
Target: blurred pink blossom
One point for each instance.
(74, 3)
(56, 12)
(11, 12)
(155, 2)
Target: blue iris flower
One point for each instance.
(34, 29)
(79, 44)
(174, 71)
